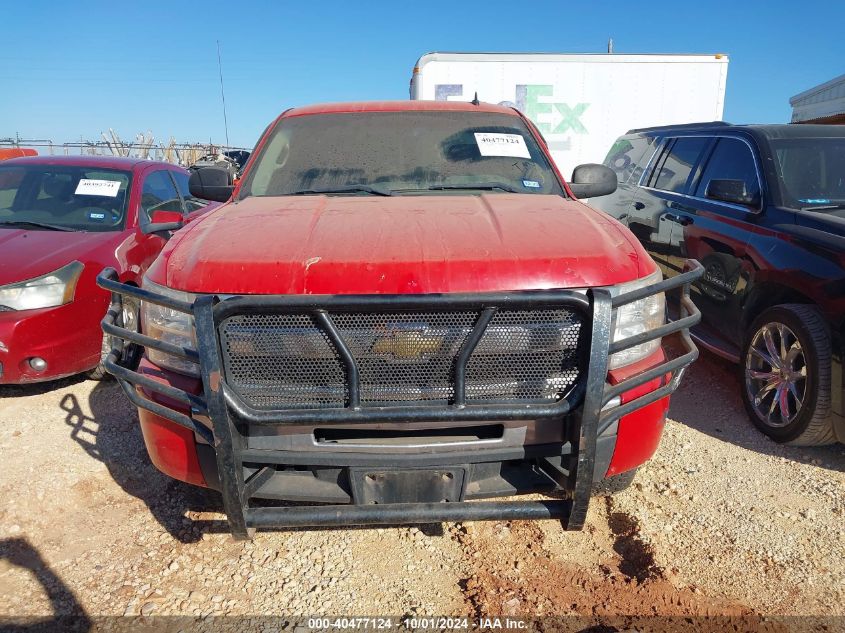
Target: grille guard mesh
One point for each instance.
(278, 361)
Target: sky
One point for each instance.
(71, 70)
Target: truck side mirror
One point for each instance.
(211, 183)
(162, 222)
(733, 191)
(592, 180)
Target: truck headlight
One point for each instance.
(637, 317)
(170, 326)
(48, 291)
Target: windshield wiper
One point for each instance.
(350, 189)
(482, 186)
(824, 207)
(40, 225)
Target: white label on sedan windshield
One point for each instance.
(494, 144)
(107, 188)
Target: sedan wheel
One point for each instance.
(129, 319)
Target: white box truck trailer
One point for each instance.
(581, 103)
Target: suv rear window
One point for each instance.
(675, 166)
(626, 154)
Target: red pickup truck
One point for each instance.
(402, 311)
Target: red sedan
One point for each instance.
(62, 220)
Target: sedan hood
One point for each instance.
(399, 245)
(25, 254)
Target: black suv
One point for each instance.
(762, 207)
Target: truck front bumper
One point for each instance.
(249, 453)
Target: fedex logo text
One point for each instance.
(549, 116)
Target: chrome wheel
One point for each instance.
(129, 315)
(776, 374)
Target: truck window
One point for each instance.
(732, 160)
(677, 165)
(406, 152)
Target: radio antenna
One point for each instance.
(222, 94)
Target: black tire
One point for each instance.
(131, 353)
(616, 483)
(807, 375)
(99, 372)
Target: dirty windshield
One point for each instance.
(407, 153)
(812, 172)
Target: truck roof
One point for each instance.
(399, 106)
(610, 58)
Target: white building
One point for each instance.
(823, 104)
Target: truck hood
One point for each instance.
(400, 245)
(25, 254)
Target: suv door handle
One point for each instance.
(639, 206)
(683, 220)
(680, 207)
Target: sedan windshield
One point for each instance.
(812, 172)
(400, 153)
(62, 197)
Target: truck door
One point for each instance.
(715, 228)
(666, 181)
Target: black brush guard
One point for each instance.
(584, 404)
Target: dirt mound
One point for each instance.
(515, 576)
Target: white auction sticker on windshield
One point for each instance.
(88, 187)
(495, 144)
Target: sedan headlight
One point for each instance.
(637, 317)
(48, 291)
(170, 326)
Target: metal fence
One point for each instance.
(143, 147)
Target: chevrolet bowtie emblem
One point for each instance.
(408, 344)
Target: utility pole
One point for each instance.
(222, 94)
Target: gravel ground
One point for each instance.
(722, 521)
